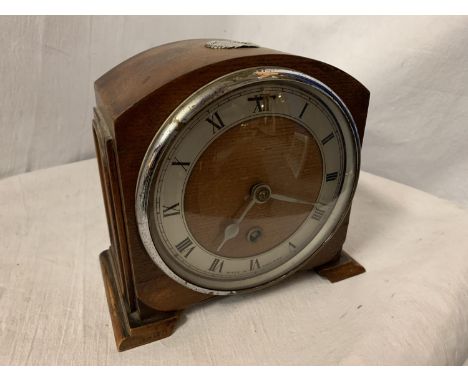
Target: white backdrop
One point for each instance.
(415, 67)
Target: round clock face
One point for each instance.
(246, 180)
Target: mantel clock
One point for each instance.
(225, 169)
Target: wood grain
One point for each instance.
(130, 330)
(111, 194)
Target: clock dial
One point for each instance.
(284, 160)
(250, 186)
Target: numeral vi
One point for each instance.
(216, 266)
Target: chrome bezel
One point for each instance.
(187, 110)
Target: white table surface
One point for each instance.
(410, 307)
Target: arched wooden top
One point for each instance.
(135, 79)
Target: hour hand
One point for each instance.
(285, 198)
(232, 230)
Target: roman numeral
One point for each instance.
(303, 110)
(185, 244)
(171, 210)
(332, 176)
(216, 266)
(254, 264)
(317, 214)
(218, 124)
(328, 138)
(262, 103)
(184, 165)
(258, 105)
(292, 247)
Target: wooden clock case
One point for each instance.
(132, 102)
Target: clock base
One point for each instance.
(343, 266)
(129, 331)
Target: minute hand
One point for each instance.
(289, 199)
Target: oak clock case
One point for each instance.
(224, 171)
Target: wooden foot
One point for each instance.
(129, 331)
(343, 267)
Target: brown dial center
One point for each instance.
(271, 160)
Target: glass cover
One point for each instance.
(250, 186)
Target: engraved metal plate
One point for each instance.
(229, 44)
